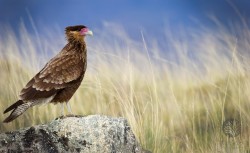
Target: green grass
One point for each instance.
(174, 102)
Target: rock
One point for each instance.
(94, 133)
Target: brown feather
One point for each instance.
(13, 106)
(32, 94)
(58, 80)
(58, 74)
(17, 112)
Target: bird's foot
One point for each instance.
(69, 115)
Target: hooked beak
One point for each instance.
(89, 33)
(86, 31)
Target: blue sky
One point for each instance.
(133, 15)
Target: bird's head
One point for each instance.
(77, 33)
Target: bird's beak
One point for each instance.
(89, 32)
(86, 31)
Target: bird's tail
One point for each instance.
(17, 109)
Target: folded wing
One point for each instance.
(58, 74)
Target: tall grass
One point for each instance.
(175, 92)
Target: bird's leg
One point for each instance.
(70, 111)
(62, 109)
(69, 108)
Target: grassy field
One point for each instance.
(175, 92)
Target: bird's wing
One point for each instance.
(57, 74)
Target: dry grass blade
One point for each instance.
(175, 97)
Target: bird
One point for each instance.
(59, 79)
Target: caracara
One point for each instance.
(60, 77)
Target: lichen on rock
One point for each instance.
(94, 133)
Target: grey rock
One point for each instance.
(90, 134)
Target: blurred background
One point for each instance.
(151, 16)
(175, 69)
